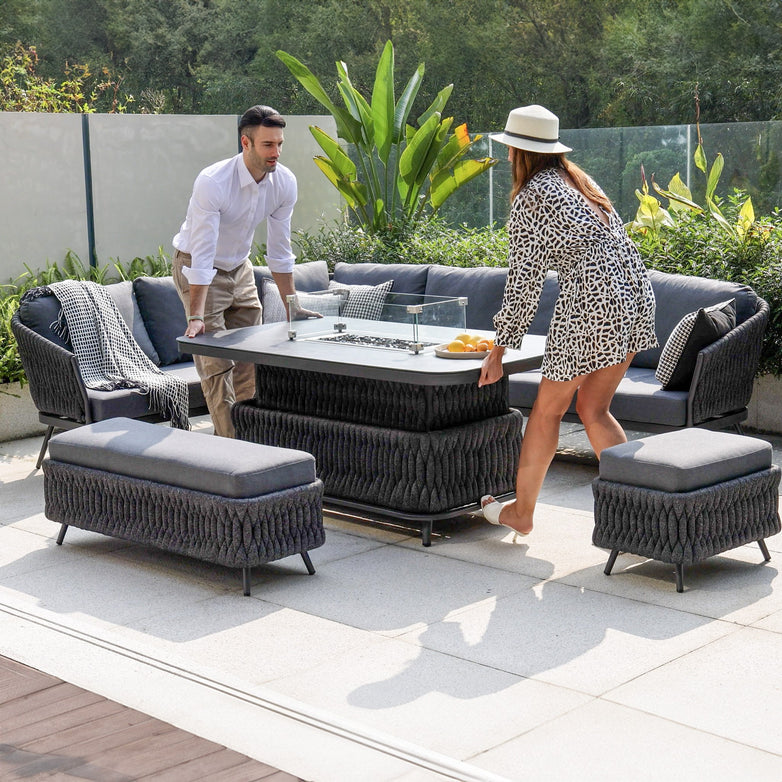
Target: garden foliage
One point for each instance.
(405, 173)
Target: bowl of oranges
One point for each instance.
(465, 346)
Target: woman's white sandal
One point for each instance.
(491, 512)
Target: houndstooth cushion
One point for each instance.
(364, 301)
(695, 331)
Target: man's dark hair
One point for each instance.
(260, 115)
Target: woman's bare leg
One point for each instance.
(538, 446)
(593, 402)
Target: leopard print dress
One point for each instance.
(606, 304)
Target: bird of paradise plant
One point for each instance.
(404, 173)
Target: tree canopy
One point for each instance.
(596, 63)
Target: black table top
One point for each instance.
(270, 344)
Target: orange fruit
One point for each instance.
(456, 346)
(482, 346)
(469, 348)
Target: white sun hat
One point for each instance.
(533, 128)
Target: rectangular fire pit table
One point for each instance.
(395, 434)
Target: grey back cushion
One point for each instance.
(40, 314)
(548, 298)
(309, 276)
(678, 294)
(482, 285)
(164, 316)
(407, 277)
(122, 293)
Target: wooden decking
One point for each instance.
(50, 729)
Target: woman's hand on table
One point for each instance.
(491, 367)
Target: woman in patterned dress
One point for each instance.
(561, 220)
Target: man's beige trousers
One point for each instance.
(231, 302)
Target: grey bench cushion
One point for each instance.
(684, 460)
(215, 465)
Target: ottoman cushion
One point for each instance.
(684, 460)
(215, 465)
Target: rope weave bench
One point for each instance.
(218, 500)
(684, 496)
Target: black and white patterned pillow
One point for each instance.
(319, 301)
(364, 301)
(695, 331)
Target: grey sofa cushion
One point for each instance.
(131, 403)
(684, 460)
(678, 294)
(309, 276)
(407, 277)
(548, 298)
(273, 308)
(39, 314)
(122, 293)
(640, 398)
(164, 316)
(217, 465)
(482, 285)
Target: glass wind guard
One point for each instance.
(400, 321)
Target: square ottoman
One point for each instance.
(686, 495)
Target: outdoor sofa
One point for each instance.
(716, 397)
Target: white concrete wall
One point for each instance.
(43, 211)
(143, 167)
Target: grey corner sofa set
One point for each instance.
(717, 397)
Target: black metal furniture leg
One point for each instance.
(246, 581)
(426, 533)
(610, 564)
(680, 578)
(46, 438)
(764, 550)
(308, 562)
(61, 536)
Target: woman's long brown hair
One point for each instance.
(525, 165)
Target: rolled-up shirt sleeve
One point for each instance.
(279, 253)
(204, 213)
(528, 262)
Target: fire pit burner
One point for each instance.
(371, 341)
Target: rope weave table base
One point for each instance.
(420, 476)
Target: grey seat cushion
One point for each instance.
(164, 316)
(684, 460)
(407, 277)
(131, 403)
(122, 293)
(639, 397)
(215, 465)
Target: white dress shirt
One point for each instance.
(225, 209)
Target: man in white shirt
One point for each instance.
(211, 264)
